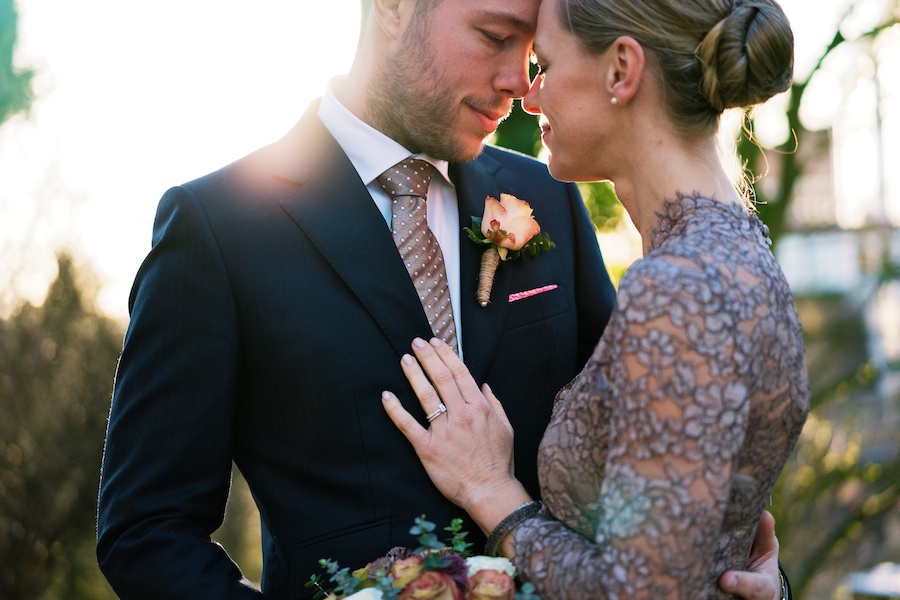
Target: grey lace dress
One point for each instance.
(661, 455)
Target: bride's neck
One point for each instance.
(658, 173)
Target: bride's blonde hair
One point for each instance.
(710, 55)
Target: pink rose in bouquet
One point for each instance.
(491, 585)
(431, 585)
(433, 571)
(405, 570)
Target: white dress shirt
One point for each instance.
(372, 153)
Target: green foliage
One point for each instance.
(603, 205)
(345, 583)
(15, 85)
(424, 532)
(520, 132)
(429, 545)
(458, 541)
(56, 370)
(536, 245)
(527, 593)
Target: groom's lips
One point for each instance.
(489, 119)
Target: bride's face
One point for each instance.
(569, 93)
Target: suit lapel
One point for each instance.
(334, 209)
(482, 326)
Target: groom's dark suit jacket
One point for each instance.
(269, 315)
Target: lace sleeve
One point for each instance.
(677, 416)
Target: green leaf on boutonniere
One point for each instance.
(536, 245)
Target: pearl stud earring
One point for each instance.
(614, 101)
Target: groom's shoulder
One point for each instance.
(257, 178)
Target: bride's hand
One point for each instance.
(467, 450)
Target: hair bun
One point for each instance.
(747, 57)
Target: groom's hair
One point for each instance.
(421, 6)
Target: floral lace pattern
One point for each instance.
(662, 454)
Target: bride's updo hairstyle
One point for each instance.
(710, 55)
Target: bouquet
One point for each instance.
(433, 571)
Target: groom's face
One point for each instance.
(452, 75)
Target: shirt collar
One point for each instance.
(370, 151)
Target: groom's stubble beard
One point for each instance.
(412, 102)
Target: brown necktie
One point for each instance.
(406, 183)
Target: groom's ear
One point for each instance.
(626, 67)
(393, 16)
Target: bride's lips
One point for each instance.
(545, 128)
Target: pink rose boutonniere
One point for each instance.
(507, 229)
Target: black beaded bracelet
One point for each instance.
(514, 519)
(785, 584)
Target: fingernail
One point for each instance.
(385, 396)
(406, 359)
(436, 342)
(419, 343)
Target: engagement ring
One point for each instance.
(441, 409)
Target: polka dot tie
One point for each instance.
(406, 183)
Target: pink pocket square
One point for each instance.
(530, 293)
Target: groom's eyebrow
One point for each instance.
(506, 18)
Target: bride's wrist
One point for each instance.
(488, 506)
(495, 540)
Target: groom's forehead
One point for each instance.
(521, 15)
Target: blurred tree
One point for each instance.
(240, 532)
(15, 86)
(838, 499)
(790, 159)
(56, 369)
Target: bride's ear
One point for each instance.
(626, 68)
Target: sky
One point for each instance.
(134, 98)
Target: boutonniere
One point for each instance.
(507, 229)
